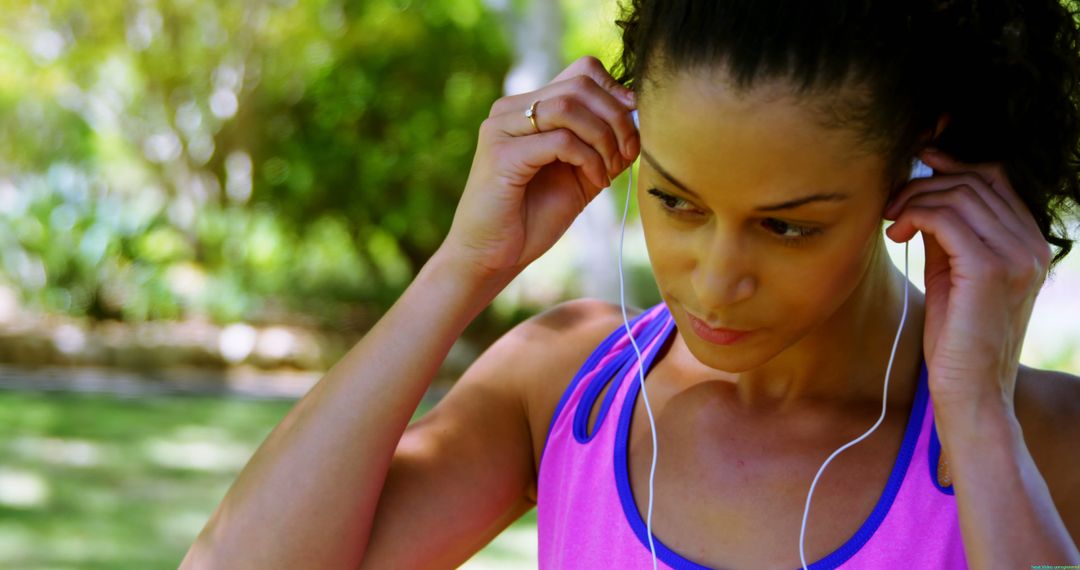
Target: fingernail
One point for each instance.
(630, 97)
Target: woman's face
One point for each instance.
(730, 246)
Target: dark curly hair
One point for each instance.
(1005, 72)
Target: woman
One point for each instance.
(746, 111)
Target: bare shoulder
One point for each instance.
(472, 453)
(575, 316)
(557, 343)
(1048, 408)
(1048, 402)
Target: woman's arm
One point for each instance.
(1007, 517)
(307, 497)
(984, 268)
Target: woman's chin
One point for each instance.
(731, 359)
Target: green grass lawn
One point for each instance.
(101, 481)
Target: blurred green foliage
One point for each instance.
(242, 160)
(104, 481)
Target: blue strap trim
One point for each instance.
(616, 369)
(590, 363)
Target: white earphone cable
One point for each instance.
(641, 366)
(884, 398)
(920, 168)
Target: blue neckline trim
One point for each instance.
(597, 355)
(935, 455)
(622, 363)
(832, 560)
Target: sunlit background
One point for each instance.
(203, 205)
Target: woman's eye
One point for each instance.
(787, 233)
(669, 202)
(790, 234)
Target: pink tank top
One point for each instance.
(587, 516)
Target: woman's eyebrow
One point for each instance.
(787, 205)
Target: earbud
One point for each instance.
(920, 170)
(633, 114)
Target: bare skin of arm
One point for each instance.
(308, 496)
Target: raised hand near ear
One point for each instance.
(986, 260)
(534, 173)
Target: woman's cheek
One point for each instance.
(839, 274)
(665, 253)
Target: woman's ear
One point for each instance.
(942, 122)
(929, 138)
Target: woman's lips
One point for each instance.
(716, 336)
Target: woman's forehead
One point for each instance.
(715, 143)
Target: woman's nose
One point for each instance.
(724, 275)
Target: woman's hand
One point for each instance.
(526, 188)
(986, 260)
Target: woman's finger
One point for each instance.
(567, 111)
(981, 207)
(593, 67)
(993, 174)
(594, 88)
(958, 241)
(530, 154)
(969, 256)
(587, 66)
(970, 208)
(979, 191)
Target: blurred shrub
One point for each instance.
(159, 159)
